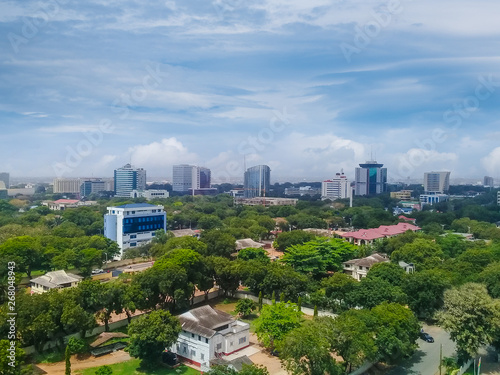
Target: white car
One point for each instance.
(97, 271)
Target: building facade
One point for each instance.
(257, 181)
(436, 182)
(337, 188)
(371, 179)
(129, 178)
(5, 177)
(67, 185)
(89, 187)
(54, 280)
(149, 194)
(133, 225)
(489, 181)
(187, 177)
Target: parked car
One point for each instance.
(426, 337)
(97, 271)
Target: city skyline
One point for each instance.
(306, 88)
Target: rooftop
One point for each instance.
(137, 205)
(204, 320)
(369, 261)
(56, 279)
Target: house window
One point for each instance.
(193, 353)
(178, 348)
(232, 343)
(199, 338)
(132, 244)
(133, 236)
(192, 335)
(202, 356)
(242, 340)
(184, 349)
(219, 346)
(206, 340)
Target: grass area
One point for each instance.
(132, 367)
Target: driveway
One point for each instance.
(425, 361)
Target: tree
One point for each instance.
(275, 321)
(252, 253)
(306, 350)
(425, 291)
(151, 334)
(338, 287)
(471, 317)
(104, 370)
(294, 237)
(246, 370)
(371, 292)
(244, 307)
(490, 276)
(397, 330)
(390, 272)
(67, 357)
(219, 243)
(423, 253)
(25, 251)
(11, 359)
(76, 346)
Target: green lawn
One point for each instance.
(132, 367)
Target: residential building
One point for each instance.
(186, 177)
(208, 334)
(433, 198)
(133, 225)
(403, 195)
(257, 181)
(67, 185)
(61, 204)
(265, 201)
(370, 179)
(149, 194)
(368, 236)
(54, 280)
(302, 190)
(358, 268)
(129, 178)
(489, 181)
(337, 188)
(246, 243)
(5, 177)
(436, 182)
(408, 267)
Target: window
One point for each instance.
(133, 212)
(192, 335)
(178, 348)
(206, 340)
(193, 353)
(242, 340)
(133, 236)
(153, 234)
(219, 346)
(199, 338)
(184, 349)
(232, 343)
(133, 244)
(202, 356)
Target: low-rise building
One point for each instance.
(247, 243)
(358, 268)
(61, 204)
(266, 201)
(149, 194)
(368, 236)
(54, 280)
(403, 195)
(208, 334)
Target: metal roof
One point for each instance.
(137, 205)
(204, 320)
(56, 279)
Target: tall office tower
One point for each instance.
(337, 188)
(129, 178)
(436, 182)
(370, 179)
(204, 178)
(489, 181)
(91, 187)
(257, 181)
(67, 185)
(5, 177)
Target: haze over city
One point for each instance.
(307, 88)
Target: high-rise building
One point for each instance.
(489, 181)
(133, 225)
(338, 187)
(91, 187)
(67, 185)
(257, 181)
(5, 177)
(188, 177)
(129, 178)
(370, 178)
(436, 182)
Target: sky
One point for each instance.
(306, 87)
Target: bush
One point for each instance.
(77, 346)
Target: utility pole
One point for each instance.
(440, 357)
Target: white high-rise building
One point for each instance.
(338, 187)
(133, 225)
(129, 178)
(67, 185)
(187, 177)
(5, 177)
(370, 178)
(436, 182)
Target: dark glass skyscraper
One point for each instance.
(371, 179)
(257, 181)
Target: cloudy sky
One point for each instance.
(307, 87)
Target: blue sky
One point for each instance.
(305, 87)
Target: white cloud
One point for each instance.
(491, 162)
(416, 161)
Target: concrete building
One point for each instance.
(257, 181)
(264, 201)
(67, 185)
(337, 188)
(302, 190)
(370, 179)
(129, 178)
(358, 268)
(436, 182)
(150, 194)
(403, 195)
(433, 198)
(187, 177)
(4, 193)
(368, 236)
(489, 181)
(5, 177)
(133, 225)
(208, 334)
(54, 280)
(89, 187)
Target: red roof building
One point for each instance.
(367, 236)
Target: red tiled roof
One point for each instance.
(380, 232)
(68, 201)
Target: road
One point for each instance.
(425, 361)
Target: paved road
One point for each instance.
(425, 361)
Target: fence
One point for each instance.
(465, 367)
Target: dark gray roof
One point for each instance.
(369, 260)
(237, 363)
(204, 320)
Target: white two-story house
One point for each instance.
(208, 334)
